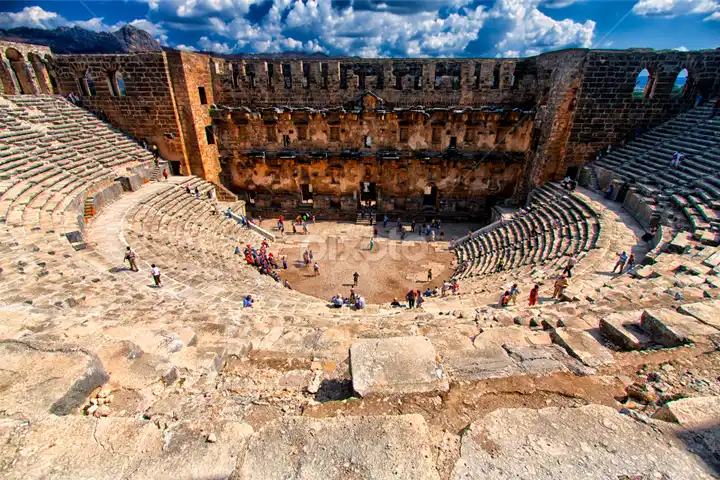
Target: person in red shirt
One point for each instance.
(534, 295)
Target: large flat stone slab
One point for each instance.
(706, 312)
(398, 365)
(594, 442)
(624, 330)
(671, 329)
(582, 346)
(691, 412)
(37, 378)
(484, 363)
(341, 448)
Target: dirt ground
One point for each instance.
(342, 248)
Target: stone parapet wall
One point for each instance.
(401, 82)
(147, 110)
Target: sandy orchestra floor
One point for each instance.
(341, 249)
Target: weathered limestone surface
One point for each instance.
(110, 448)
(41, 378)
(341, 448)
(624, 330)
(388, 366)
(582, 346)
(587, 442)
(691, 412)
(706, 312)
(671, 329)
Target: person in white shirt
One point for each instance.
(676, 158)
(156, 275)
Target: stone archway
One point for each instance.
(41, 73)
(19, 72)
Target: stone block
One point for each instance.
(399, 365)
(695, 412)
(341, 448)
(583, 346)
(36, 378)
(706, 312)
(589, 442)
(484, 363)
(680, 243)
(624, 330)
(672, 329)
(539, 359)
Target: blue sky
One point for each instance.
(391, 28)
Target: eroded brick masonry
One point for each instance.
(448, 136)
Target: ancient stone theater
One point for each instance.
(347, 268)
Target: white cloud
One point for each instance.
(674, 8)
(532, 32)
(681, 49)
(36, 17)
(715, 16)
(206, 44)
(186, 48)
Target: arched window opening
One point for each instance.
(116, 84)
(86, 86)
(19, 71)
(644, 85)
(41, 74)
(496, 77)
(678, 88)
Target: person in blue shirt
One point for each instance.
(248, 301)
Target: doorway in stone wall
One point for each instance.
(307, 193)
(572, 172)
(622, 193)
(175, 167)
(430, 198)
(368, 193)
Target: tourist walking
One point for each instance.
(155, 271)
(620, 264)
(284, 262)
(569, 266)
(534, 293)
(197, 193)
(514, 291)
(287, 285)
(130, 257)
(385, 220)
(630, 262)
(248, 301)
(560, 285)
(165, 174)
(429, 275)
(356, 277)
(372, 244)
(316, 267)
(676, 159)
(187, 190)
(411, 298)
(156, 153)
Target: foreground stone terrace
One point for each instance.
(106, 377)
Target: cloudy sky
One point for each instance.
(391, 28)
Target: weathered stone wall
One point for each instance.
(463, 185)
(373, 130)
(23, 69)
(606, 110)
(190, 73)
(400, 82)
(477, 130)
(148, 110)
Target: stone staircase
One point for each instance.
(693, 189)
